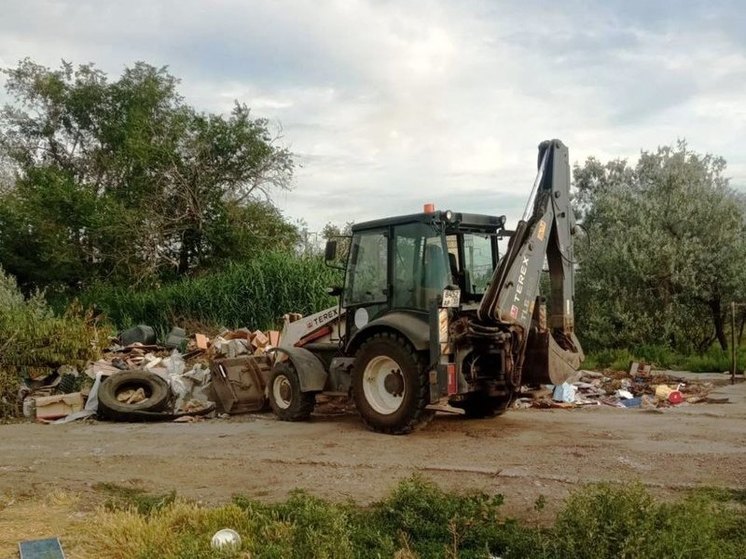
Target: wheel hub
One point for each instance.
(384, 385)
(285, 391)
(394, 383)
(282, 391)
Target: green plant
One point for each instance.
(712, 360)
(608, 521)
(123, 498)
(434, 521)
(254, 294)
(34, 341)
(421, 521)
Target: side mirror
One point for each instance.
(330, 252)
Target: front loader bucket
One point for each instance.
(548, 362)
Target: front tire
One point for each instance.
(285, 397)
(389, 385)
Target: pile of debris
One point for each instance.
(138, 379)
(639, 387)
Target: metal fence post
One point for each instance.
(733, 344)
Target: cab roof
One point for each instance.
(451, 220)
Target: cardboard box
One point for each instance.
(259, 339)
(201, 340)
(62, 405)
(274, 338)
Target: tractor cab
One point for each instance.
(402, 265)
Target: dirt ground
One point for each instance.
(523, 454)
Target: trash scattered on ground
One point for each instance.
(190, 377)
(60, 405)
(239, 382)
(141, 380)
(140, 334)
(564, 392)
(640, 387)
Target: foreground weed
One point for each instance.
(123, 497)
(421, 521)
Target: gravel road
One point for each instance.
(523, 454)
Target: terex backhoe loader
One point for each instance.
(431, 319)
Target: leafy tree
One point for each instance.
(122, 180)
(666, 252)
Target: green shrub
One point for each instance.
(421, 521)
(713, 360)
(253, 294)
(34, 341)
(440, 524)
(606, 521)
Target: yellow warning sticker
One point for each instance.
(541, 230)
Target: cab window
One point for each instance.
(420, 265)
(368, 270)
(478, 262)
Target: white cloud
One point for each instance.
(389, 104)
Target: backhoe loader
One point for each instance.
(432, 318)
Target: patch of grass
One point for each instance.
(125, 498)
(606, 521)
(32, 516)
(722, 494)
(179, 530)
(440, 524)
(420, 520)
(254, 294)
(713, 360)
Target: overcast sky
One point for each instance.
(388, 104)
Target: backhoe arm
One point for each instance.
(545, 231)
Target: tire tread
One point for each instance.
(420, 416)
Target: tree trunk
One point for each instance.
(190, 250)
(185, 252)
(718, 317)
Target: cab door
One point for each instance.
(420, 266)
(366, 294)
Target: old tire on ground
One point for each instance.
(285, 397)
(389, 385)
(157, 394)
(479, 406)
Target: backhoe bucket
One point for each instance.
(548, 362)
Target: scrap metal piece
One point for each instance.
(240, 382)
(48, 548)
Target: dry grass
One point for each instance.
(24, 517)
(181, 529)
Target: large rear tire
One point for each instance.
(390, 385)
(285, 396)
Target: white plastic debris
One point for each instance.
(175, 363)
(626, 394)
(564, 393)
